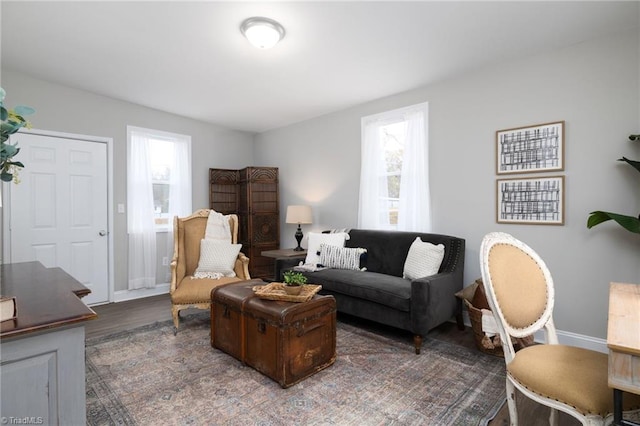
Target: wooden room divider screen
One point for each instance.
(252, 194)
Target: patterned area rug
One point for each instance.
(148, 376)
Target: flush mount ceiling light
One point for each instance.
(263, 33)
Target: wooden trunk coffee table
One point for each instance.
(286, 341)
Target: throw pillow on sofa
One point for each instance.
(315, 239)
(217, 259)
(342, 257)
(424, 259)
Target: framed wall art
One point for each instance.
(538, 148)
(537, 200)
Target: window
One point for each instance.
(160, 152)
(393, 149)
(394, 187)
(161, 163)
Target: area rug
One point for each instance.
(148, 376)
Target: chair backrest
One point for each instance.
(519, 289)
(187, 233)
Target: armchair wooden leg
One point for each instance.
(417, 343)
(175, 314)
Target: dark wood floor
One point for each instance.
(121, 316)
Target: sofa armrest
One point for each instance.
(433, 300)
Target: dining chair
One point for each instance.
(520, 292)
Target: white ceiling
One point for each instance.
(189, 58)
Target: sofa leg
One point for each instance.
(460, 321)
(417, 343)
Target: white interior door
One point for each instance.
(59, 209)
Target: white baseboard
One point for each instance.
(580, 340)
(565, 338)
(123, 295)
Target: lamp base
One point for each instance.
(298, 236)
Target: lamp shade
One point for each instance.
(299, 214)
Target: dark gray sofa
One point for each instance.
(381, 294)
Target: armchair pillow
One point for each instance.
(423, 260)
(217, 259)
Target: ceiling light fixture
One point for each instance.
(263, 33)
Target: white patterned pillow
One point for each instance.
(217, 259)
(315, 239)
(423, 260)
(341, 257)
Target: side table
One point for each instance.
(283, 254)
(623, 340)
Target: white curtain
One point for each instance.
(140, 222)
(414, 210)
(373, 212)
(179, 188)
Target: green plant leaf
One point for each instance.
(294, 278)
(22, 110)
(630, 223)
(9, 150)
(7, 177)
(632, 163)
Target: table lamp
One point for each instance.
(299, 215)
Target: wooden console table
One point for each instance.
(623, 340)
(42, 350)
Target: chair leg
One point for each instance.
(553, 417)
(511, 402)
(417, 343)
(175, 314)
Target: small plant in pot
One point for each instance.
(293, 282)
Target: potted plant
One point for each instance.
(630, 223)
(293, 282)
(12, 121)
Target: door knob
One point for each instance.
(102, 233)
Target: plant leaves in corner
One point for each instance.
(630, 223)
(632, 163)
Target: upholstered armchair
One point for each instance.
(187, 292)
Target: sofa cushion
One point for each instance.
(387, 250)
(315, 239)
(387, 290)
(342, 257)
(192, 290)
(424, 259)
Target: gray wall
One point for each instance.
(63, 109)
(593, 86)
